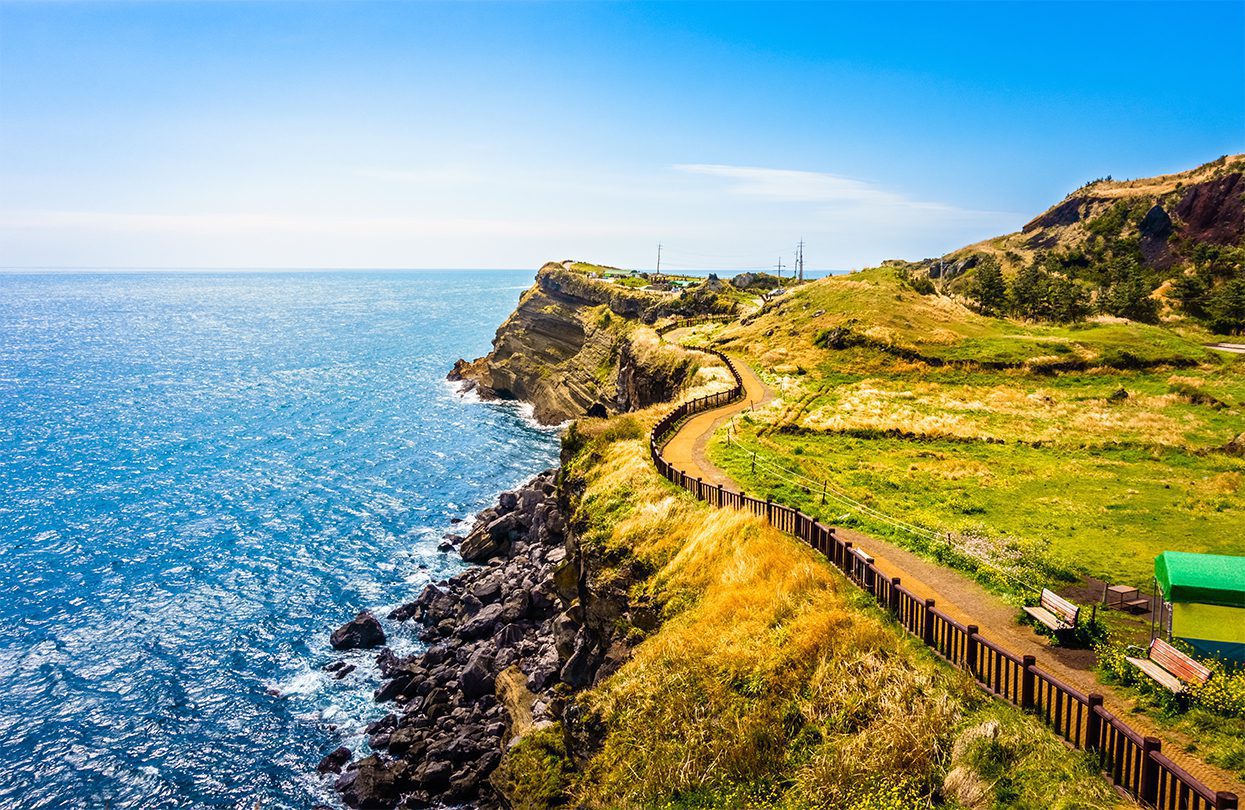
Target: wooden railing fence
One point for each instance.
(679, 323)
(1134, 763)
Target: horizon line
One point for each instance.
(344, 268)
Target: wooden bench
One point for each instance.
(1171, 668)
(1055, 612)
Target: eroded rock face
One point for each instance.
(565, 350)
(1214, 211)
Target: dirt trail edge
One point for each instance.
(956, 594)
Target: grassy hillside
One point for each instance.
(1050, 451)
(1115, 209)
(770, 681)
(1170, 247)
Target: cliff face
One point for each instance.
(576, 347)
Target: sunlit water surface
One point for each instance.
(201, 475)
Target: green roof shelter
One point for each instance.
(1207, 597)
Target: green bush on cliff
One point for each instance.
(535, 773)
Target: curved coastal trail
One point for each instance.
(956, 594)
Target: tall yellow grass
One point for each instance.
(771, 681)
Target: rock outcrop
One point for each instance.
(506, 639)
(570, 350)
(360, 633)
(1163, 223)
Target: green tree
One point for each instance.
(1190, 291)
(1067, 300)
(1129, 293)
(1029, 293)
(989, 289)
(1225, 307)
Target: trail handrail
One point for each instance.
(1134, 763)
(679, 323)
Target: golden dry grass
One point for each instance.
(771, 681)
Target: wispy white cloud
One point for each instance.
(792, 185)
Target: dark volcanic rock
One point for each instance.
(1154, 229)
(334, 762)
(1214, 211)
(1066, 213)
(361, 632)
(372, 784)
(477, 678)
(492, 540)
(521, 610)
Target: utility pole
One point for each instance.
(780, 266)
(799, 261)
(659, 258)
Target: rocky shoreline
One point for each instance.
(503, 635)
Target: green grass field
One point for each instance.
(1106, 512)
(925, 411)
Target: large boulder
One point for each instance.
(335, 761)
(477, 677)
(360, 633)
(372, 784)
(492, 540)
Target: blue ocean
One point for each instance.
(201, 476)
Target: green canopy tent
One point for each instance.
(1207, 597)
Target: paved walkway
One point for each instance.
(956, 594)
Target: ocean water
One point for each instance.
(202, 475)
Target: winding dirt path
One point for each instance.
(956, 594)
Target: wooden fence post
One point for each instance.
(845, 555)
(769, 508)
(700, 489)
(1225, 801)
(1149, 788)
(721, 503)
(1027, 681)
(970, 650)
(1093, 724)
(895, 596)
(823, 493)
(928, 629)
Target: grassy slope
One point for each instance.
(1050, 468)
(771, 682)
(1049, 476)
(1142, 192)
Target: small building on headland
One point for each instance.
(1204, 601)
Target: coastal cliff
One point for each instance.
(619, 645)
(541, 617)
(576, 345)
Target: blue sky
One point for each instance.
(321, 134)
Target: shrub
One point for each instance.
(622, 428)
(1223, 694)
(535, 773)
